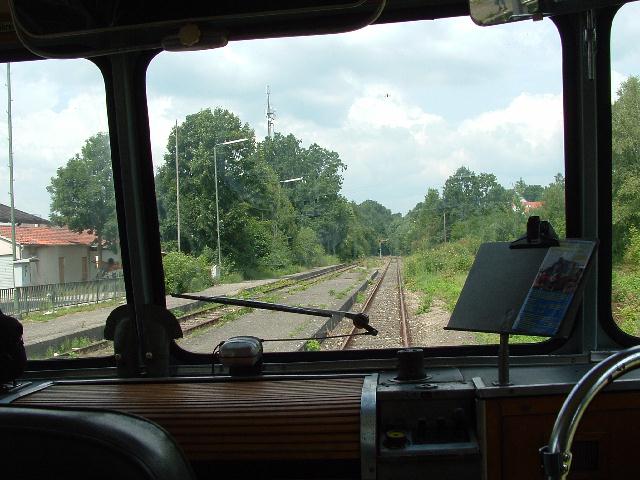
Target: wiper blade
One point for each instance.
(360, 319)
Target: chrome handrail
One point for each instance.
(556, 456)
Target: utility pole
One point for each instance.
(271, 114)
(177, 188)
(13, 213)
(444, 225)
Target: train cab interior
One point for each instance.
(532, 82)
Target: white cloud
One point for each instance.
(533, 119)
(51, 122)
(160, 125)
(383, 106)
(404, 105)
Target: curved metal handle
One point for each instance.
(556, 456)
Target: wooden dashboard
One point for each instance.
(257, 420)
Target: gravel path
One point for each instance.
(427, 329)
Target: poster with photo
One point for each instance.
(554, 287)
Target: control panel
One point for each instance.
(427, 427)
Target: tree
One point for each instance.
(626, 163)
(553, 209)
(82, 193)
(198, 135)
(378, 219)
(316, 198)
(531, 193)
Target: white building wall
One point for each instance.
(47, 265)
(5, 246)
(6, 271)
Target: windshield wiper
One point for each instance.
(360, 319)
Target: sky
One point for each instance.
(404, 105)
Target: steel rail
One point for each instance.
(365, 308)
(405, 331)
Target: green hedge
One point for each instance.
(186, 273)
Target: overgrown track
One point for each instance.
(387, 312)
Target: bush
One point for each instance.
(186, 273)
(306, 248)
(625, 299)
(632, 252)
(278, 256)
(446, 258)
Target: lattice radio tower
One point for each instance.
(271, 114)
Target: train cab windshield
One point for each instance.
(206, 200)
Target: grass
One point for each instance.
(625, 298)
(179, 312)
(373, 262)
(343, 293)
(67, 347)
(445, 287)
(231, 316)
(46, 316)
(311, 346)
(493, 338)
(299, 329)
(266, 288)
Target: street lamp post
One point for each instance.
(297, 179)
(215, 174)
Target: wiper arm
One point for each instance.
(360, 319)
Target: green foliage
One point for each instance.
(266, 226)
(626, 164)
(447, 258)
(531, 193)
(67, 347)
(311, 346)
(440, 272)
(82, 192)
(632, 252)
(185, 273)
(553, 208)
(625, 299)
(625, 286)
(306, 247)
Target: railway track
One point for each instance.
(196, 320)
(193, 321)
(389, 315)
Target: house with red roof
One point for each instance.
(47, 254)
(528, 205)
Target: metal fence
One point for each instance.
(56, 295)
